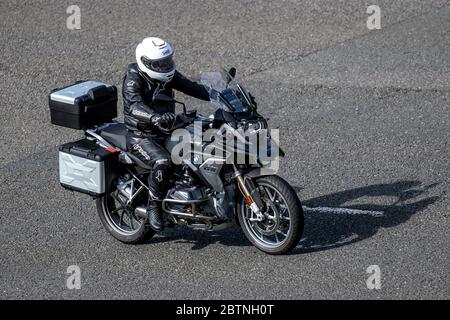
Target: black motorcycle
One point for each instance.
(216, 183)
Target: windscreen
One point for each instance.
(224, 94)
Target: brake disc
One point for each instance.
(270, 224)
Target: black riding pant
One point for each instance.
(150, 151)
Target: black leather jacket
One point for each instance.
(138, 91)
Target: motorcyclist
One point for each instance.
(154, 72)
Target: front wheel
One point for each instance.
(282, 226)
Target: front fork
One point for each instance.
(250, 195)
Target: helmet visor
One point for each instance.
(162, 65)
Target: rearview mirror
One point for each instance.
(231, 74)
(162, 98)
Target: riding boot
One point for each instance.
(157, 182)
(155, 218)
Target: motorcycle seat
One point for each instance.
(116, 134)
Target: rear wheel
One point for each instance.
(282, 226)
(121, 222)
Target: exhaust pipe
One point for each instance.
(141, 212)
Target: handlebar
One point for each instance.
(181, 121)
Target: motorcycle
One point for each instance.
(213, 186)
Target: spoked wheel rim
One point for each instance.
(276, 228)
(121, 217)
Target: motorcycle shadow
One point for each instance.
(331, 229)
(384, 206)
(231, 236)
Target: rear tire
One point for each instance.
(290, 217)
(141, 232)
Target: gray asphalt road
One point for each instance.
(364, 118)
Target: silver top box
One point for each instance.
(69, 94)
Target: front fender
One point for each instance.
(260, 172)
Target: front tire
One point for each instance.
(121, 222)
(282, 228)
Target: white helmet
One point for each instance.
(154, 58)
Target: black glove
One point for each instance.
(164, 121)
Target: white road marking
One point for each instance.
(343, 211)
